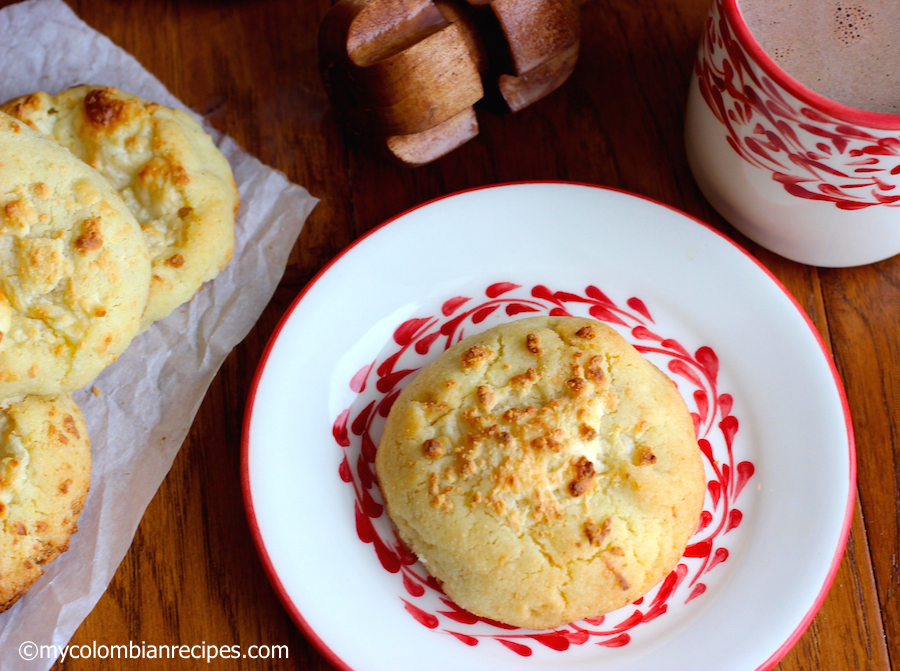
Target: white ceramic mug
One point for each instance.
(811, 179)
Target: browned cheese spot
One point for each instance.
(433, 449)
(519, 415)
(645, 456)
(623, 583)
(476, 356)
(577, 385)
(527, 378)
(434, 487)
(20, 213)
(64, 486)
(595, 370)
(175, 261)
(586, 332)
(104, 111)
(486, 397)
(179, 175)
(468, 466)
(587, 433)
(474, 418)
(20, 529)
(90, 238)
(584, 475)
(70, 426)
(497, 504)
(432, 408)
(22, 107)
(596, 533)
(533, 343)
(551, 440)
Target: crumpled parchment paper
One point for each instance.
(149, 397)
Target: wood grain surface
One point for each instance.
(192, 575)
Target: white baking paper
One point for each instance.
(149, 397)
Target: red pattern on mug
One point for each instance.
(828, 160)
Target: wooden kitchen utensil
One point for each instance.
(406, 74)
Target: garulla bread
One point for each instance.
(74, 267)
(543, 471)
(45, 472)
(165, 167)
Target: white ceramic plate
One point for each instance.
(768, 405)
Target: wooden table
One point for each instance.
(192, 574)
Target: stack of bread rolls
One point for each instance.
(113, 212)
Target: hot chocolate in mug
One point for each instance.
(793, 125)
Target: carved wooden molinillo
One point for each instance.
(406, 74)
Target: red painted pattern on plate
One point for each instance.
(827, 160)
(421, 339)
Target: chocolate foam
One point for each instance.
(848, 52)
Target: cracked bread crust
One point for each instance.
(74, 268)
(45, 467)
(166, 168)
(543, 471)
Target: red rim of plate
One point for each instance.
(292, 609)
(838, 110)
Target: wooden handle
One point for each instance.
(399, 61)
(534, 31)
(406, 74)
